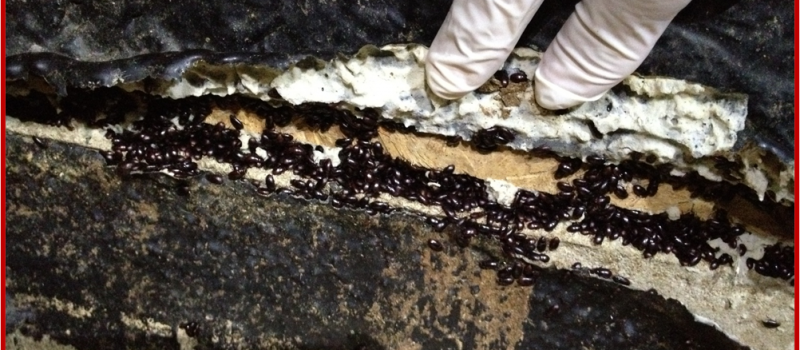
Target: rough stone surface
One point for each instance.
(96, 261)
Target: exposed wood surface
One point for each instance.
(521, 169)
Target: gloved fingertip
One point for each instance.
(442, 91)
(441, 85)
(553, 97)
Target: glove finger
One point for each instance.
(473, 42)
(601, 43)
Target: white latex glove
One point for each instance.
(601, 43)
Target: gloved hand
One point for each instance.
(601, 43)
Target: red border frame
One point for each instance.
(3, 174)
(3, 146)
(796, 172)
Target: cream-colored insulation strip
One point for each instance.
(677, 121)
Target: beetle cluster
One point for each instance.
(172, 135)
